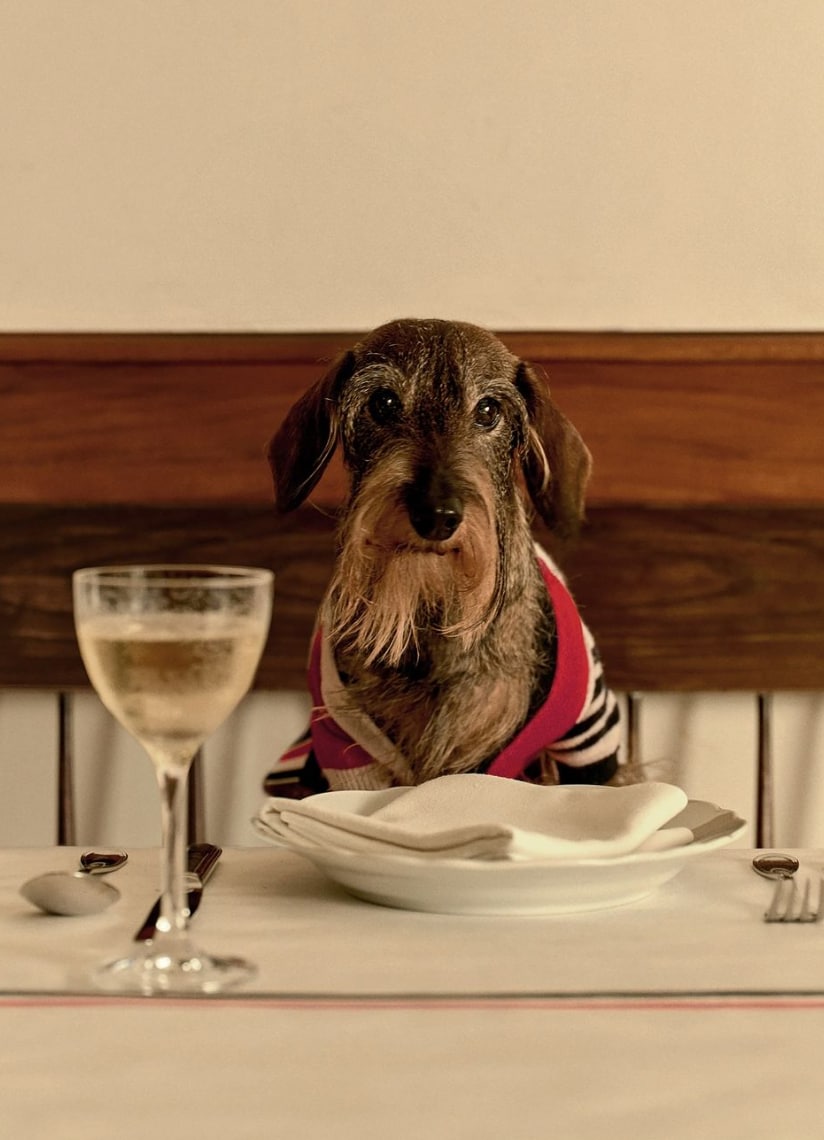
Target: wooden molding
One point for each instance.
(170, 418)
(217, 347)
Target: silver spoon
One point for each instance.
(81, 892)
(775, 865)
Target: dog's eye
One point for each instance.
(385, 406)
(487, 412)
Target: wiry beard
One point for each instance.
(391, 592)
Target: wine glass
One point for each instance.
(171, 650)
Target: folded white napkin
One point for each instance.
(471, 816)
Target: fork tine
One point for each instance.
(777, 911)
(807, 913)
(790, 903)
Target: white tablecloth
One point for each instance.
(681, 1015)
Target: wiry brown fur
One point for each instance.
(384, 583)
(444, 639)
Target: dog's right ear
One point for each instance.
(301, 448)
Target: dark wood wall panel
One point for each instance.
(41, 546)
(704, 598)
(701, 565)
(707, 598)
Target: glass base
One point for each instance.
(153, 970)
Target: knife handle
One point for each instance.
(201, 860)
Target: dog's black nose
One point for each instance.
(434, 504)
(436, 521)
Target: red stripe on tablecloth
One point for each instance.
(429, 1001)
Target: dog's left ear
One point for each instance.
(301, 448)
(556, 461)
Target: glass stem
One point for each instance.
(173, 922)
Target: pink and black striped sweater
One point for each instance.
(576, 729)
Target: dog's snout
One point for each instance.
(435, 509)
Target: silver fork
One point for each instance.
(785, 906)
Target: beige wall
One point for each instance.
(302, 164)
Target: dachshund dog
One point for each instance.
(447, 640)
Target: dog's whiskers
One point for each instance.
(321, 510)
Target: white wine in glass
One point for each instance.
(171, 650)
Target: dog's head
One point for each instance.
(435, 390)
